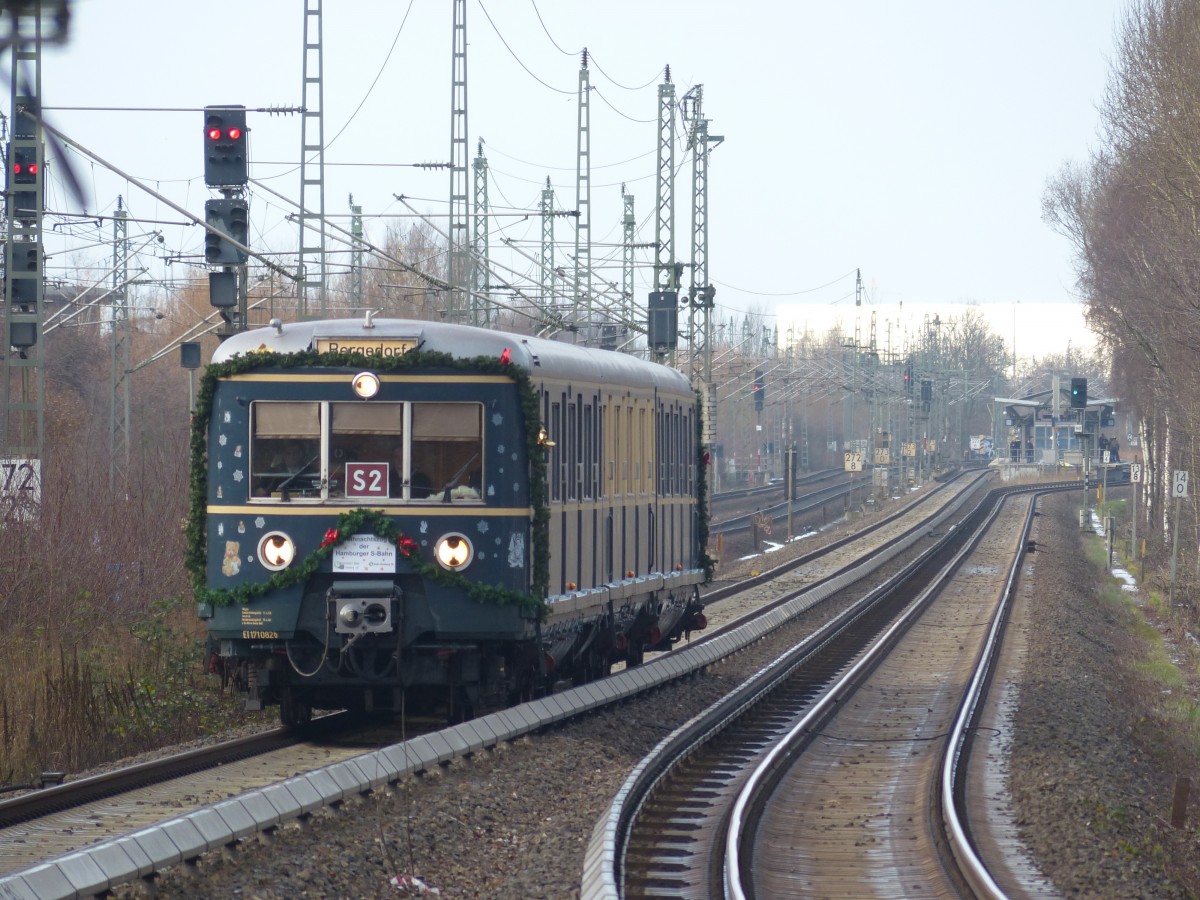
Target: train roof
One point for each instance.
(541, 357)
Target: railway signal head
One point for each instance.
(23, 170)
(26, 273)
(225, 146)
(231, 218)
(759, 390)
(1078, 393)
(222, 289)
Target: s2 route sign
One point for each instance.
(366, 480)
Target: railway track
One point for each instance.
(751, 797)
(265, 798)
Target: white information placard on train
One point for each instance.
(364, 553)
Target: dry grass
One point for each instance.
(101, 649)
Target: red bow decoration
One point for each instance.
(406, 544)
(331, 537)
(506, 357)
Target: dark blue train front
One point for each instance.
(373, 520)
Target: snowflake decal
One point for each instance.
(260, 522)
(237, 475)
(497, 419)
(482, 526)
(222, 440)
(500, 448)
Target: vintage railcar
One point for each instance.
(448, 517)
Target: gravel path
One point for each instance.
(1092, 776)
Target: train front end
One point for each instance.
(362, 520)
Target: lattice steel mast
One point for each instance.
(118, 441)
(310, 284)
(665, 276)
(457, 235)
(629, 233)
(356, 258)
(549, 285)
(700, 298)
(481, 307)
(582, 316)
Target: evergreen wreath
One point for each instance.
(365, 519)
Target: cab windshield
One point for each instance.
(403, 452)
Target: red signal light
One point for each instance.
(214, 134)
(235, 133)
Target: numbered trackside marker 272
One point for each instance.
(20, 487)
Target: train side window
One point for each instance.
(689, 449)
(285, 449)
(571, 468)
(556, 452)
(589, 452)
(645, 458)
(633, 453)
(676, 472)
(447, 451)
(660, 442)
(367, 433)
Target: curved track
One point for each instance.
(667, 832)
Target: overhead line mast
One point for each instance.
(118, 467)
(481, 307)
(460, 200)
(582, 314)
(310, 286)
(700, 298)
(549, 293)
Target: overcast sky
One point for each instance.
(911, 140)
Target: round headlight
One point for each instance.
(366, 384)
(453, 551)
(276, 551)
